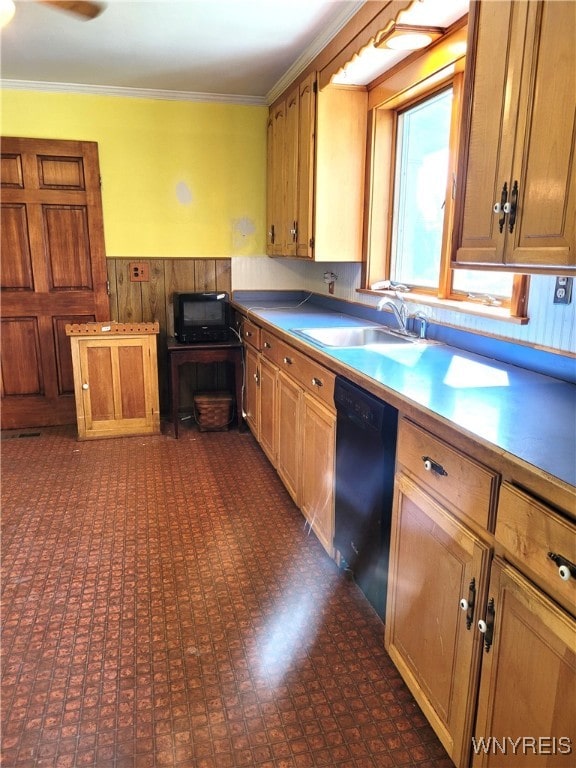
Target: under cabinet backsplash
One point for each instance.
(552, 326)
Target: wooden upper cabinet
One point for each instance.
(516, 199)
(316, 173)
(276, 193)
(305, 170)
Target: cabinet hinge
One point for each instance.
(100, 181)
(315, 86)
(311, 242)
(108, 287)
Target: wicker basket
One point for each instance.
(213, 411)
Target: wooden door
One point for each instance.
(319, 440)
(518, 145)
(543, 174)
(290, 219)
(252, 391)
(53, 272)
(306, 134)
(277, 181)
(289, 434)
(268, 416)
(433, 560)
(527, 702)
(496, 69)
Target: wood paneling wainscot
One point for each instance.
(151, 301)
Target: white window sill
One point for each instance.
(466, 307)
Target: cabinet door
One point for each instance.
(543, 167)
(305, 197)
(118, 387)
(289, 434)
(319, 435)
(518, 144)
(276, 179)
(435, 562)
(528, 683)
(252, 391)
(268, 415)
(290, 159)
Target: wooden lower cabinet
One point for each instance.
(289, 434)
(289, 409)
(436, 562)
(115, 379)
(527, 703)
(252, 390)
(268, 414)
(318, 459)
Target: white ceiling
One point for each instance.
(238, 50)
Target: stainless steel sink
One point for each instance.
(354, 336)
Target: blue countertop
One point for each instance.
(526, 414)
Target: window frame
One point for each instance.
(413, 80)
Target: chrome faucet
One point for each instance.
(401, 315)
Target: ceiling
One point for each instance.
(235, 50)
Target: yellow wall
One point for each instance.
(178, 178)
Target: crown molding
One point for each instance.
(313, 50)
(131, 93)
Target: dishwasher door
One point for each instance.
(365, 457)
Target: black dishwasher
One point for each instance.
(365, 455)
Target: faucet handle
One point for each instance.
(421, 317)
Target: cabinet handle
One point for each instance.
(247, 334)
(468, 604)
(566, 569)
(501, 207)
(294, 231)
(257, 378)
(513, 207)
(486, 626)
(267, 345)
(432, 466)
(288, 360)
(85, 386)
(271, 234)
(317, 382)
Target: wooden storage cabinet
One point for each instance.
(436, 562)
(315, 173)
(517, 150)
(289, 434)
(252, 390)
(528, 680)
(318, 458)
(528, 683)
(115, 379)
(290, 410)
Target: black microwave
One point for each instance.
(202, 317)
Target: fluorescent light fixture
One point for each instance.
(7, 9)
(407, 37)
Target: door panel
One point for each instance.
(53, 272)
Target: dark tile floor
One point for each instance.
(163, 605)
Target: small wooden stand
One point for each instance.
(115, 378)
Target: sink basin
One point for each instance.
(353, 336)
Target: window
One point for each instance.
(422, 162)
(413, 169)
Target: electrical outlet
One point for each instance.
(563, 290)
(139, 272)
